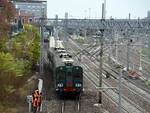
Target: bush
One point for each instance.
(22, 52)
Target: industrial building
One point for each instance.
(35, 8)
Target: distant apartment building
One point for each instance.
(26, 17)
(31, 10)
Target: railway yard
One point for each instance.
(134, 93)
(52, 103)
(93, 59)
(130, 92)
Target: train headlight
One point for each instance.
(60, 85)
(78, 85)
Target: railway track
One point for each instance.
(114, 73)
(107, 95)
(128, 89)
(70, 106)
(114, 93)
(134, 60)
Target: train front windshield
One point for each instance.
(77, 75)
(60, 75)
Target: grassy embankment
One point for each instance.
(17, 58)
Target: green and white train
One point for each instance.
(68, 76)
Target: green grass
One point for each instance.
(147, 82)
(146, 51)
(81, 40)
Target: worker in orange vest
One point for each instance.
(36, 100)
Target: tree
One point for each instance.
(7, 13)
(26, 44)
(10, 70)
(20, 55)
(33, 47)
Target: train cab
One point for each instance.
(69, 77)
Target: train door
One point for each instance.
(78, 77)
(69, 79)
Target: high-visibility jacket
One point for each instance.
(37, 92)
(38, 95)
(36, 98)
(35, 102)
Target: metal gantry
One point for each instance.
(118, 24)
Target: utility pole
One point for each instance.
(42, 42)
(120, 93)
(140, 67)
(116, 46)
(66, 28)
(85, 31)
(101, 34)
(140, 52)
(89, 13)
(104, 9)
(101, 64)
(128, 53)
(128, 47)
(56, 21)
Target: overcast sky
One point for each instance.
(92, 8)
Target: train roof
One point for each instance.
(59, 44)
(60, 56)
(61, 61)
(51, 42)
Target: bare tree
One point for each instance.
(7, 13)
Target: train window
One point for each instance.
(77, 75)
(68, 73)
(61, 75)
